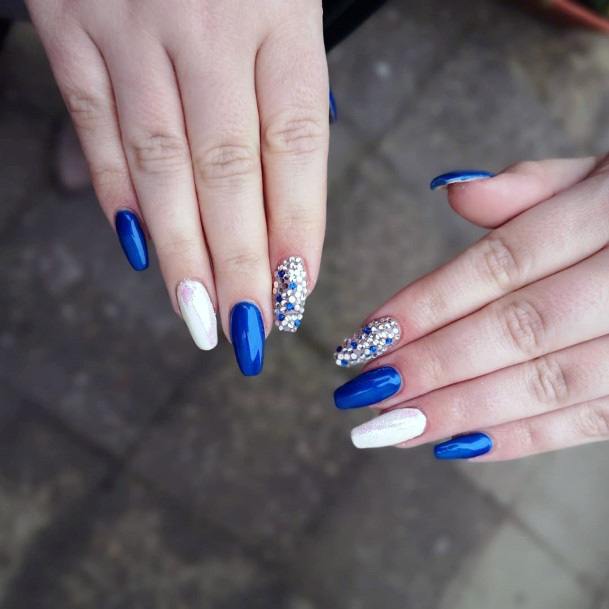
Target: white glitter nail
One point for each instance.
(389, 429)
(198, 313)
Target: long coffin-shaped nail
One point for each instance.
(198, 313)
(459, 177)
(333, 109)
(368, 388)
(289, 294)
(390, 428)
(466, 446)
(247, 336)
(132, 239)
(368, 342)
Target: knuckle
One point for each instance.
(296, 135)
(524, 326)
(549, 383)
(593, 420)
(497, 262)
(226, 163)
(240, 262)
(160, 153)
(85, 109)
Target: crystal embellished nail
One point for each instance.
(368, 342)
(289, 294)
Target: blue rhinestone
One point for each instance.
(292, 286)
(339, 349)
(278, 298)
(373, 349)
(281, 273)
(367, 330)
(344, 362)
(388, 341)
(353, 344)
(281, 317)
(298, 322)
(289, 306)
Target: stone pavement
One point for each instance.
(138, 473)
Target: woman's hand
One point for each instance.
(505, 349)
(207, 122)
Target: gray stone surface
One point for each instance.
(139, 552)
(258, 456)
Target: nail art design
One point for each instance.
(466, 446)
(198, 313)
(333, 109)
(459, 177)
(132, 239)
(247, 336)
(289, 294)
(368, 388)
(390, 429)
(368, 342)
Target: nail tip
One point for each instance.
(459, 177)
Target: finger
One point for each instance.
(493, 202)
(543, 240)
(573, 426)
(157, 149)
(558, 380)
(292, 92)
(83, 79)
(218, 93)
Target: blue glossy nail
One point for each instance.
(368, 388)
(333, 110)
(247, 336)
(132, 239)
(467, 446)
(459, 177)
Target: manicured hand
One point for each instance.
(505, 349)
(205, 125)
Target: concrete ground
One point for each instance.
(139, 473)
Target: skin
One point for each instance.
(210, 122)
(511, 338)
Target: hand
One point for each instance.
(505, 349)
(207, 122)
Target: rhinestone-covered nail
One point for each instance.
(289, 293)
(368, 342)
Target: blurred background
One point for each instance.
(137, 472)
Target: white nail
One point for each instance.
(390, 428)
(198, 313)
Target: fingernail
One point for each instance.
(247, 336)
(459, 177)
(132, 239)
(198, 313)
(289, 294)
(390, 429)
(466, 446)
(368, 388)
(333, 110)
(368, 342)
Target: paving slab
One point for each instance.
(256, 455)
(136, 551)
(512, 572)
(44, 475)
(91, 340)
(395, 538)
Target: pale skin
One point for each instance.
(210, 121)
(511, 338)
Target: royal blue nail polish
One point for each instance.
(459, 177)
(132, 239)
(466, 446)
(247, 336)
(368, 388)
(333, 110)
